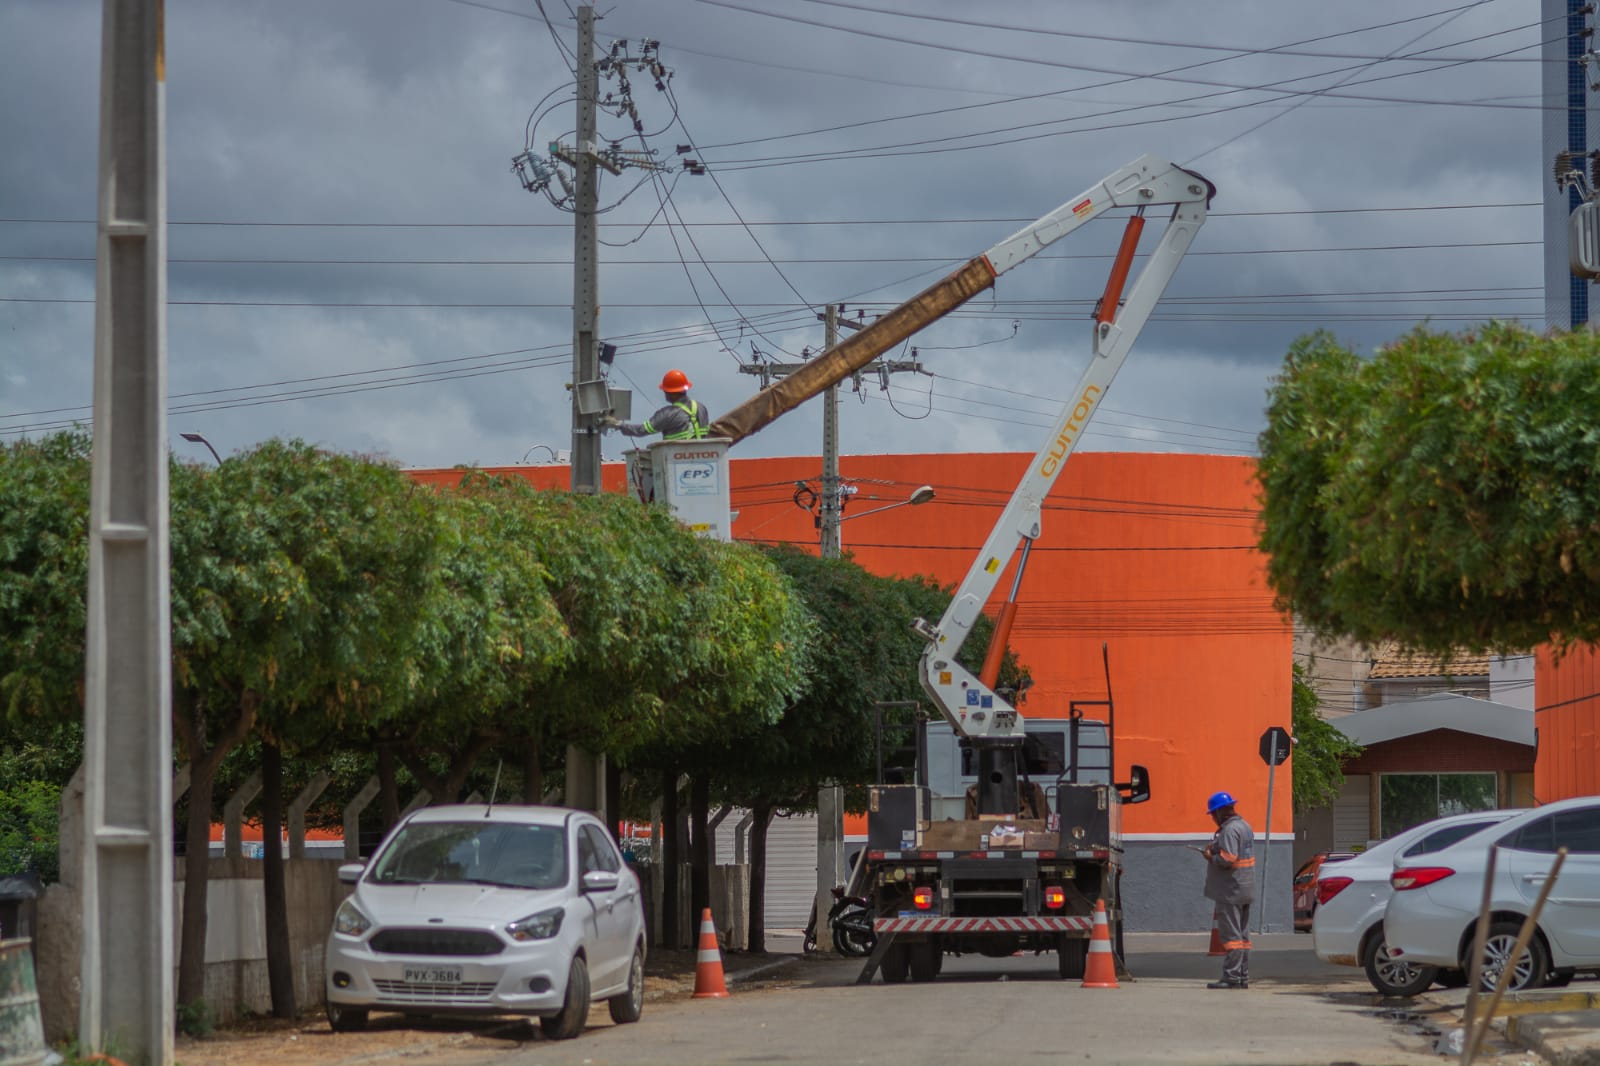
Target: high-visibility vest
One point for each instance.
(695, 430)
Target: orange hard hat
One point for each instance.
(676, 381)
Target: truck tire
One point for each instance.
(896, 964)
(1073, 957)
(924, 960)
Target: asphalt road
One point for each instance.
(1297, 1010)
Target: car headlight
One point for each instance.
(541, 926)
(349, 921)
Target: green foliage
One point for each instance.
(28, 821)
(44, 568)
(1320, 750)
(1441, 494)
(195, 1018)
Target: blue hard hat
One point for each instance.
(1218, 800)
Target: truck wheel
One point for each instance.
(924, 960)
(896, 964)
(1074, 957)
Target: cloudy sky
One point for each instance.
(353, 262)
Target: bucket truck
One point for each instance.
(979, 854)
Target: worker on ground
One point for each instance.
(1231, 884)
(680, 418)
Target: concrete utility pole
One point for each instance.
(585, 265)
(127, 958)
(830, 508)
(831, 504)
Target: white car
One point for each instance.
(1347, 927)
(491, 910)
(1432, 915)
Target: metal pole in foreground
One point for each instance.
(1263, 892)
(126, 961)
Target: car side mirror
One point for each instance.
(350, 872)
(1137, 788)
(601, 881)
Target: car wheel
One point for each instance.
(574, 1008)
(1531, 968)
(346, 1019)
(924, 960)
(896, 964)
(1390, 975)
(1072, 957)
(627, 1006)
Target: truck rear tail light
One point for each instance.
(1328, 887)
(1054, 897)
(922, 898)
(1417, 876)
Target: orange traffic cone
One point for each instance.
(1100, 971)
(708, 983)
(1216, 947)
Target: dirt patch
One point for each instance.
(307, 1040)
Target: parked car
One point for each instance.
(1305, 886)
(498, 910)
(1351, 895)
(1432, 915)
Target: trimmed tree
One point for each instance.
(1441, 494)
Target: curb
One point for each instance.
(1566, 1039)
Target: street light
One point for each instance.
(922, 495)
(195, 438)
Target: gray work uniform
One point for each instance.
(685, 420)
(1231, 884)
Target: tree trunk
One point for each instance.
(188, 721)
(699, 846)
(758, 877)
(388, 789)
(670, 852)
(532, 774)
(280, 961)
(196, 863)
(613, 795)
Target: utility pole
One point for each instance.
(585, 266)
(126, 873)
(1570, 69)
(831, 505)
(830, 449)
(540, 173)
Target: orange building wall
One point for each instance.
(1151, 554)
(1567, 716)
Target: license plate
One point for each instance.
(433, 975)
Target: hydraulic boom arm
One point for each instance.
(1146, 181)
(970, 703)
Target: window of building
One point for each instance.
(1406, 800)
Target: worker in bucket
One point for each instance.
(680, 418)
(1231, 885)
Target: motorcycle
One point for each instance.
(850, 921)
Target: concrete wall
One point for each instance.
(1163, 886)
(236, 956)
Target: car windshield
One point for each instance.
(480, 853)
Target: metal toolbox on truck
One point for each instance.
(896, 816)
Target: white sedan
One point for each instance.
(1432, 915)
(1347, 928)
(489, 910)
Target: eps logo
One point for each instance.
(696, 479)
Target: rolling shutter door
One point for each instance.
(791, 871)
(1351, 820)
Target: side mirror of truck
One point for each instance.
(1137, 788)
